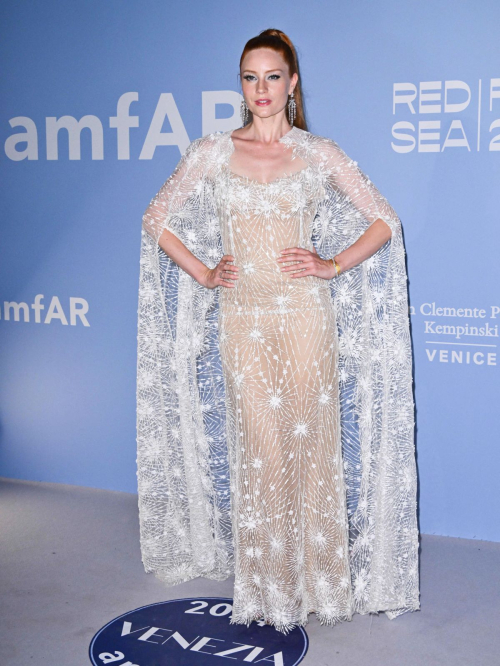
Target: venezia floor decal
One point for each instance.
(193, 632)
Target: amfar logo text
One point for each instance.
(455, 124)
(75, 311)
(25, 145)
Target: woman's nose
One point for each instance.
(261, 86)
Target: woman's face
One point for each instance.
(266, 82)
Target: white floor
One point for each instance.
(70, 563)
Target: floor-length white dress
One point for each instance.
(279, 351)
(275, 420)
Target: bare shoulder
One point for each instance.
(240, 133)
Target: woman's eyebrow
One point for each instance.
(266, 72)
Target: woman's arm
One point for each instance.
(376, 214)
(172, 219)
(367, 244)
(183, 257)
(223, 274)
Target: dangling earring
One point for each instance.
(292, 109)
(244, 112)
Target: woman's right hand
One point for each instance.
(224, 274)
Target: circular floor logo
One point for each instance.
(193, 632)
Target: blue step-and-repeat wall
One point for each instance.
(99, 101)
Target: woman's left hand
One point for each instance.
(310, 263)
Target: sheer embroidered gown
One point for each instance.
(279, 350)
(286, 346)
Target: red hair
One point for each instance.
(282, 44)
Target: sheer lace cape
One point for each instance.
(182, 465)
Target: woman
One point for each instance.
(275, 407)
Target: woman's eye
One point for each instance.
(249, 77)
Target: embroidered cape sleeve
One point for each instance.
(184, 524)
(376, 386)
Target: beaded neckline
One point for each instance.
(252, 181)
